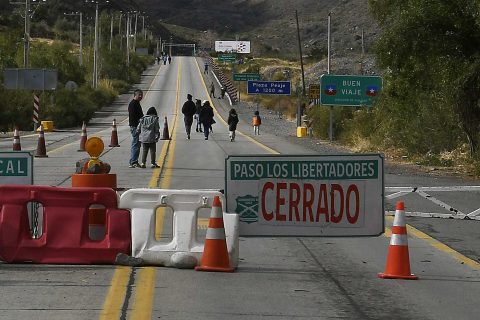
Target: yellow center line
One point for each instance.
(438, 245)
(116, 294)
(145, 288)
(113, 303)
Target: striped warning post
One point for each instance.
(36, 111)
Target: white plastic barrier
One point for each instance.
(184, 251)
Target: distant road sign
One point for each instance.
(30, 79)
(16, 168)
(246, 76)
(232, 46)
(345, 90)
(306, 195)
(269, 87)
(314, 91)
(227, 57)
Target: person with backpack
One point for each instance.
(188, 110)
(206, 118)
(149, 133)
(232, 123)
(256, 122)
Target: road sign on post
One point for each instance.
(230, 57)
(269, 87)
(345, 90)
(314, 91)
(246, 76)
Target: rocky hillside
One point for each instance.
(270, 24)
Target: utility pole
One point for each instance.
(26, 43)
(111, 33)
(80, 55)
(299, 108)
(135, 34)
(120, 30)
(95, 50)
(330, 129)
(143, 28)
(128, 38)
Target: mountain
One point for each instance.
(270, 24)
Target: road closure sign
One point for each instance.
(331, 195)
(16, 168)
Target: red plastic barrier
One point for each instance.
(65, 226)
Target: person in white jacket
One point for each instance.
(149, 133)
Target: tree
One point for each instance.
(431, 51)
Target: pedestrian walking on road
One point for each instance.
(188, 111)
(206, 118)
(222, 92)
(135, 112)
(232, 123)
(205, 70)
(169, 59)
(149, 132)
(198, 108)
(256, 122)
(212, 90)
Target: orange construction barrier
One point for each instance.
(215, 253)
(165, 134)
(114, 136)
(64, 236)
(83, 137)
(16, 141)
(398, 259)
(41, 151)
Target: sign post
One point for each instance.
(334, 195)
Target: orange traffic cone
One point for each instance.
(398, 260)
(83, 137)
(16, 141)
(41, 151)
(114, 137)
(165, 134)
(215, 253)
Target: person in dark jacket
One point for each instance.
(206, 118)
(198, 106)
(135, 112)
(188, 111)
(232, 123)
(149, 132)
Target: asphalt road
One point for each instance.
(277, 278)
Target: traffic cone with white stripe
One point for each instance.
(114, 137)
(398, 259)
(41, 151)
(215, 253)
(83, 137)
(16, 141)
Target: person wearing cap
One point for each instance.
(188, 111)
(206, 118)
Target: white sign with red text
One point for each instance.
(232, 46)
(339, 195)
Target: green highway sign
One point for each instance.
(246, 76)
(347, 90)
(16, 168)
(227, 57)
